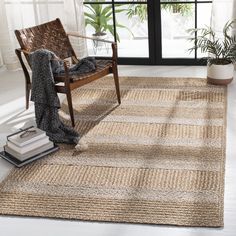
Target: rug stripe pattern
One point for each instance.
(158, 158)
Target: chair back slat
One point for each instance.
(50, 35)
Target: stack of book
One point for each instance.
(26, 146)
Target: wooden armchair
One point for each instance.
(53, 37)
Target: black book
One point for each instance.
(8, 157)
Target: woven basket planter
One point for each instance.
(220, 74)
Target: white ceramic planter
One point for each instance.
(220, 74)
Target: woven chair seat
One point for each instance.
(102, 66)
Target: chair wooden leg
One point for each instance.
(70, 106)
(116, 79)
(27, 95)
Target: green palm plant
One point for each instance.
(222, 51)
(140, 10)
(101, 18)
(182, 8)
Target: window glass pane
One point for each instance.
(176, 1)
(132, 30)
(99, 24)
(176, 19)
(203, 20)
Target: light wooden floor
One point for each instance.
(13, 116)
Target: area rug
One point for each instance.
(158, 158)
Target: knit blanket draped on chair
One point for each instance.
(45, 97)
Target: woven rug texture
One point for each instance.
(158, 158)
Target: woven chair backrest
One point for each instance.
(50, 35)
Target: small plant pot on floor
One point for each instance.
(220, 74)
(220, 49)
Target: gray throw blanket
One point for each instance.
(45, 96)
(85, 65)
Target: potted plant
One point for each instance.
(221, 51)
(100, 18)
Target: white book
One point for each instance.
(26, 137)
(28, 147)
(23, 157)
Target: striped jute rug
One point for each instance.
(158, 158)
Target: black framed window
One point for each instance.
(176, 17)
(125, 22)
(147, 32)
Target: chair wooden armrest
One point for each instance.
(76, 34)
